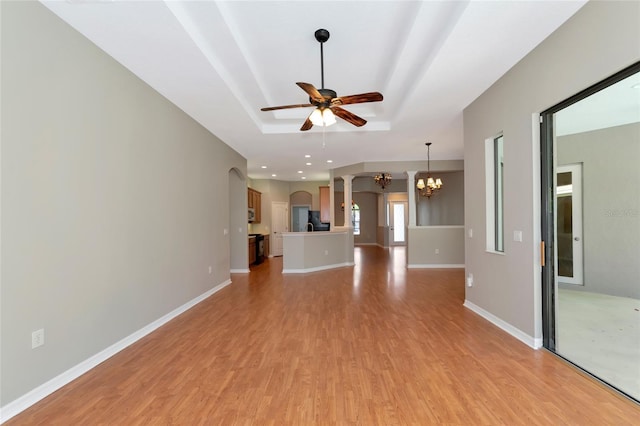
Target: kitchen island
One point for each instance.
(316, 251)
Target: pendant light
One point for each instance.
(432, 185)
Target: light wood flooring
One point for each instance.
(374, 344)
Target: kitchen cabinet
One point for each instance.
(252, 250)
(254, 201)
(325, 211)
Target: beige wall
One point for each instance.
(602, 38)
(114, 202)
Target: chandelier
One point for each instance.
(383, 179)
(432, 185)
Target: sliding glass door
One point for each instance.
(590, 147)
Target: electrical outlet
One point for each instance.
(470, 280)
(470, 233)
(326, 252)
(209, 269)
(437, 251)
(37, 338)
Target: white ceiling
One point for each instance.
(221, 61)
(615, 105)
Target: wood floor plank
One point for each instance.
(376, 344)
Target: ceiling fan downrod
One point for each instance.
(322, 36)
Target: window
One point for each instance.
(494, 168)
(355, 219)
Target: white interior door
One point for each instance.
(279, 224)
(569, 244)
(398, 218)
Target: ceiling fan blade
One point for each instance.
(306, 125)
(311, 91)
(357, 99)
(285, 107)
(348, 116)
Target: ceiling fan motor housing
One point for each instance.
(327, 94)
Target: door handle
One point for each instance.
(577, 238)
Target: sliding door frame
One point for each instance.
(548, 207)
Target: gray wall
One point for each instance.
(435, 246)
(602, 38)
(446, 207)
(368, 203)
(611, 204)
(113, 201)
(239, 256)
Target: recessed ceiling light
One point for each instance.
(329, 161)
(303, 177)
(307, 156)
(308, 164)
(636, 86)
(263, 167)
(299, 171)
(273, 175)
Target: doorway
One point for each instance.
(398, 219)
(590, 150)
(569, 244)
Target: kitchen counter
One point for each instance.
(316, 251)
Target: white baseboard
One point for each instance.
(365, 244)
(316, 269)
(435, 266)
(533, 342)
(239, 271)
(27, 400)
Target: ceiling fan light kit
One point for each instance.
(327, 103)
(322, 117)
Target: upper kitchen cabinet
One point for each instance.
(325, 211)
(254, 200)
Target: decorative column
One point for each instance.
(350, 241)
(347, 200)
(332, 201)
(411, 192)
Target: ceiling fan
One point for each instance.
(326, 101)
